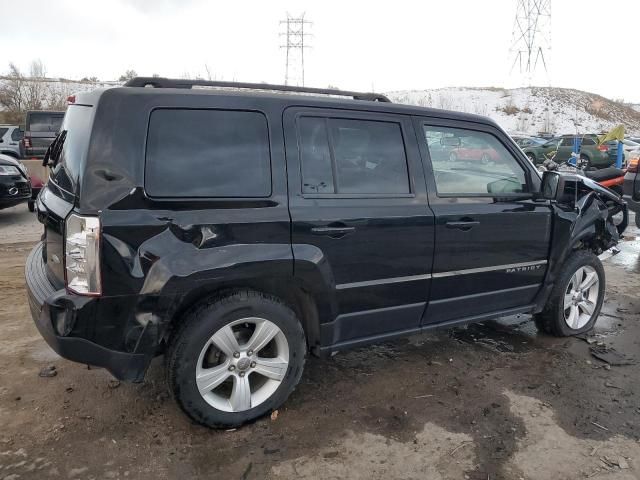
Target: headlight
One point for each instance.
(82, 255)
(9, 170)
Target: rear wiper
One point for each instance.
(52, 155)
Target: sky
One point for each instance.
(359, 45)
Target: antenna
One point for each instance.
(295, 44)
(531, 38)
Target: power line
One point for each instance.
(531, 38)
(295, 45)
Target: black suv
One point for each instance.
(235, 230)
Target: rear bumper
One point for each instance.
(50, 307)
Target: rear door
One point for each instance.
(491, 244)
(358, 206)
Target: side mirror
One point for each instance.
(551, 186)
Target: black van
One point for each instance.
(235, 230)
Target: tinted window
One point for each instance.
(366, 157)
(470, 162)
(77, 124)
(370, 156)
(2, 132)
(17, 135)
(44, 122)
(588, 141)
(207, 153)
(315, 156)
(567, 142)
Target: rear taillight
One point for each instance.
(633, 165)
(82, 255)
(603, 148)
(27, 142)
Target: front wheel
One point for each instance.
(31, 206)
(637, 217)
(575, 301)
(235, 359)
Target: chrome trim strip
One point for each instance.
(488, 269)
(383, 281)
(427, 276)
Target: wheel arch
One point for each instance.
(288, 291)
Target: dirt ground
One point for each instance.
(489, 401)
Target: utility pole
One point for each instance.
(531, 38)
(295, 45)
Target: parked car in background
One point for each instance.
(631, 149)
(524, 142)
(273, 225)
(36, 186)
(15, 186)
(596, 156)
(10, 138)
(41, 127)
(472, 148)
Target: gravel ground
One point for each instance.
(489, 401)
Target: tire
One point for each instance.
(453, 157)
(555, 319)
(31, 206)
(637, 217)
(193, 351)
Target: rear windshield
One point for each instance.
(44, 122)
(73, 151)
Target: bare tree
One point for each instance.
(128, 75)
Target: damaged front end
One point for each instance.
(586, 216)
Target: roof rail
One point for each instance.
(160, 82)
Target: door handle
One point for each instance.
(335, 232)
(463, 225)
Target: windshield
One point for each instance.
(71, 147)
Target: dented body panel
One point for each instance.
(160, 256)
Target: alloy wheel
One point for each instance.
(242, 364)
(581, 297)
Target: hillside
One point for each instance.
(530, 110)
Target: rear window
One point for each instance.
(44, 122)
(73, 151)
(207, 153)
(17, 135)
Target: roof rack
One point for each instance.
(160, 82)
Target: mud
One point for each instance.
(495, 400)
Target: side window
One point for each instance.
(567, 142)
(315, 156)
(207, 153)
(588, 141)
(467, 162)
(352, 156)
(17, 135)
(2, 132)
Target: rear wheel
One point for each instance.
(575, 301)
(235, 359)
(586, 161)
(31, 206)
(637, 217)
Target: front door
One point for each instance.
(359, 213)
(492, 241)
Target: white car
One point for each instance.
(10, 136)
(631, 149)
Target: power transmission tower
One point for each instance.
(295, 45)
(531, 38)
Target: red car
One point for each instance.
(474, 149)
(36, 186)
